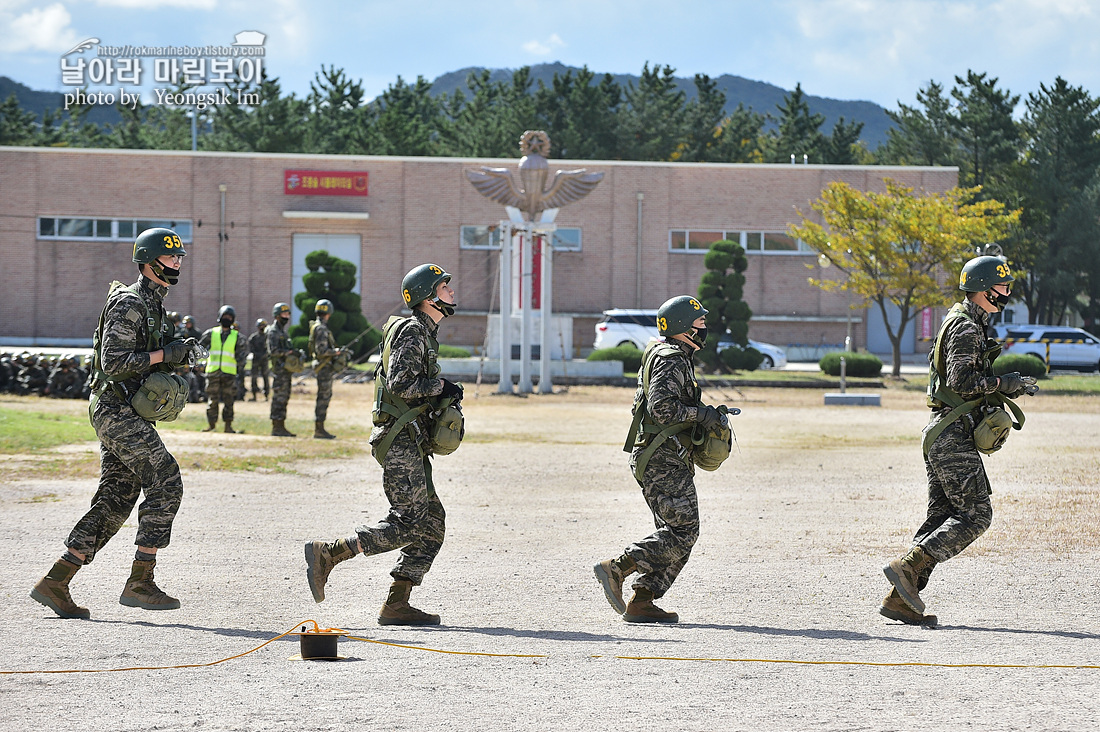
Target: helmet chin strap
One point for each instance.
(167, 274)
(447, 308)
(996, 299)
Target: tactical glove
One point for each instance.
(176, 352)
(451, 389)
(710, 418)
(1013, 385)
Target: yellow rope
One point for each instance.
(318, 629)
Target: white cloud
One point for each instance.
(40, 29)
(154, 4)
(544, 48)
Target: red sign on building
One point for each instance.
(324, 183)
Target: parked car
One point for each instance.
(621, 327)
(1070, 348)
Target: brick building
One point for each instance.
(68, 217)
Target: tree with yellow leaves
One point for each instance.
(894, 247)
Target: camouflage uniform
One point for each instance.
(278, 346)
(257, 344)
(132, 456)
(323, 347)
(668, 482)
(416, 522)
(221, 388)
(959, 508)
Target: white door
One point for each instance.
(344, 246)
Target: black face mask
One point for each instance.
(169, 275)
(283, 320)
(997, 300)
(699, 337)
(226, 322)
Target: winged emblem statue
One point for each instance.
(532, 195)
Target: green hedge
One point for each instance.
(855, 364)
(446, 351)
(629, 355)
(1025, 363)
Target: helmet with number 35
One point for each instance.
(982, 273)
(153, 243)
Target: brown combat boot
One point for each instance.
(141, 591)
(211, 424)
(278, 429)
(905, 575)
(611, 573)
(253, 397)
(321, 557)
(53, 591)
(398, 611)
(641, 609)
(229, 429)
(894, 607)
(319, 432)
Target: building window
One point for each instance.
(93, 229)
(753, 242)
(566, 239)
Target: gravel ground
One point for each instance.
(787, 575)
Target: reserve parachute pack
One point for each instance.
(445, 414)
(707, 450)
(162, 394)
(293, 362)
(989, 414)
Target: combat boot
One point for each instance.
(278, 429)
(141, 591)
(319, 432)
(212, 423)
(398, 611)
(53, 591)
(905, 575)
(229, 429)
(894, 607)
(321, 557)
(641, 609)
(611, 573)
(253, 397)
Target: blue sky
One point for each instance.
(848, 49)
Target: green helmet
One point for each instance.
(279, 309)
(420, 284)
(323, 307)
(982, 273)
(677, 315)
(227, 310)
(153, 243)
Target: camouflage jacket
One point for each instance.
(278, 345)
(124, 348)
(673, 391)
(257, 343)
(321, 343)
(963, 345)
(408, 371)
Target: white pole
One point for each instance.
(545, 312)
(504, 386)
(525, 323)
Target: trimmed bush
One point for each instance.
(298, 331)
(315, 283)
(349, 302)
(855, 364)
(318, 259)
(300, 342)
(446, 351)
(1025, 363)
(629, 355)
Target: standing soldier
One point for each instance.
(257, 344)
(666, 406)
(130, 350)
(406, 380)
(962, 390)
(322, 346)
(285, 360)
(188, 329)
(228, 352)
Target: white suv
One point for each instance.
(1070, 348)
(623, 327)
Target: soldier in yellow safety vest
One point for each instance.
(228, 352)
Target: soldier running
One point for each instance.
(407, 379)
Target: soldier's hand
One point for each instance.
(451, 389)
(1013, 385)
(176, 352)
(710, 418)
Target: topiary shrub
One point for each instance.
(720, 291)
(855, 364)
(300, 342)
(628, 354)
(1026, 363)
(333, 278)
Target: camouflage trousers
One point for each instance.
(668, 486)
(280, 393)
(416, 522)
(220, 388)
(959, 508)
(324, 392)
(260, 372)
(133, 459)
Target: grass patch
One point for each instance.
(30, 431)
(771, 375)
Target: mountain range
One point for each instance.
(759, 96)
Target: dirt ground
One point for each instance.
(786, 576)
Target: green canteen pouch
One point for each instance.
(448, 428)
(711, 448)
(992, 431)
(161, 397)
